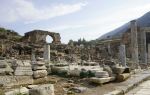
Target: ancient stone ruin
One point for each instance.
(31, 66)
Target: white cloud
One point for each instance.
(94, 28)
(115, 20)
(25, 10)
(63, 27)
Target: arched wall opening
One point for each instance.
(49, 39)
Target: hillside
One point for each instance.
(143, 21)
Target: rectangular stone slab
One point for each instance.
(102, 80)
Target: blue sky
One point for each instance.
(73, 19)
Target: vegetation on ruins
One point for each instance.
(82, 42)
(20, 94)
(3, 30)
(9, 34)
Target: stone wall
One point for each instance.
(39, 36)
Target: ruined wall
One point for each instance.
(39, 36)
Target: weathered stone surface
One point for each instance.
(49, 70)
(74, 72)
(46, 54)
(123, 77)
(116, 92)
(15, 80)
(142, 89)
(26, 63)
(3, 65)
(39, 73)
(132, 82)
(24, 71)
(46, 89)
(108, 69)
(39, 36)
(19, 62)
(39, 63)
(142, 47)
(32, 86)
(40, 59)
(118, 70)
(22, 90)
(5, 69)
(78, 89)
(2, 58)
(134, 43)
(148, 54)
(102, 80)
(39, 67)
(122, 53)
(101, 74)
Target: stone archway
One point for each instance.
(39, 36)
(49, 39)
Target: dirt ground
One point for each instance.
(63, 84)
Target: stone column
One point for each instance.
(148, 53)
(134, 43)
(33, 56)
(143, 47)
(47, 53)
(122, 53)
(109, 49)
(3, 48)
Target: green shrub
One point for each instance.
(21, 94)
(83, 74)
(91, 74)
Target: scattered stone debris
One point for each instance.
(22, 90)
(40, 68)
(45, 89)
(78, 89)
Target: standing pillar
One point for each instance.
(109, 50)
(47, 53)
(33, 56)
(122, 53)
(143, 47)
(2, 48)
(134, 43)
(148, 53)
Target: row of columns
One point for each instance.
(134, 47)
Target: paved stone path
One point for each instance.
(131, 83)
(142, 89)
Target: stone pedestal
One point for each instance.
(39, 70)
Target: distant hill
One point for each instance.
(6, 34)
(143, 21)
